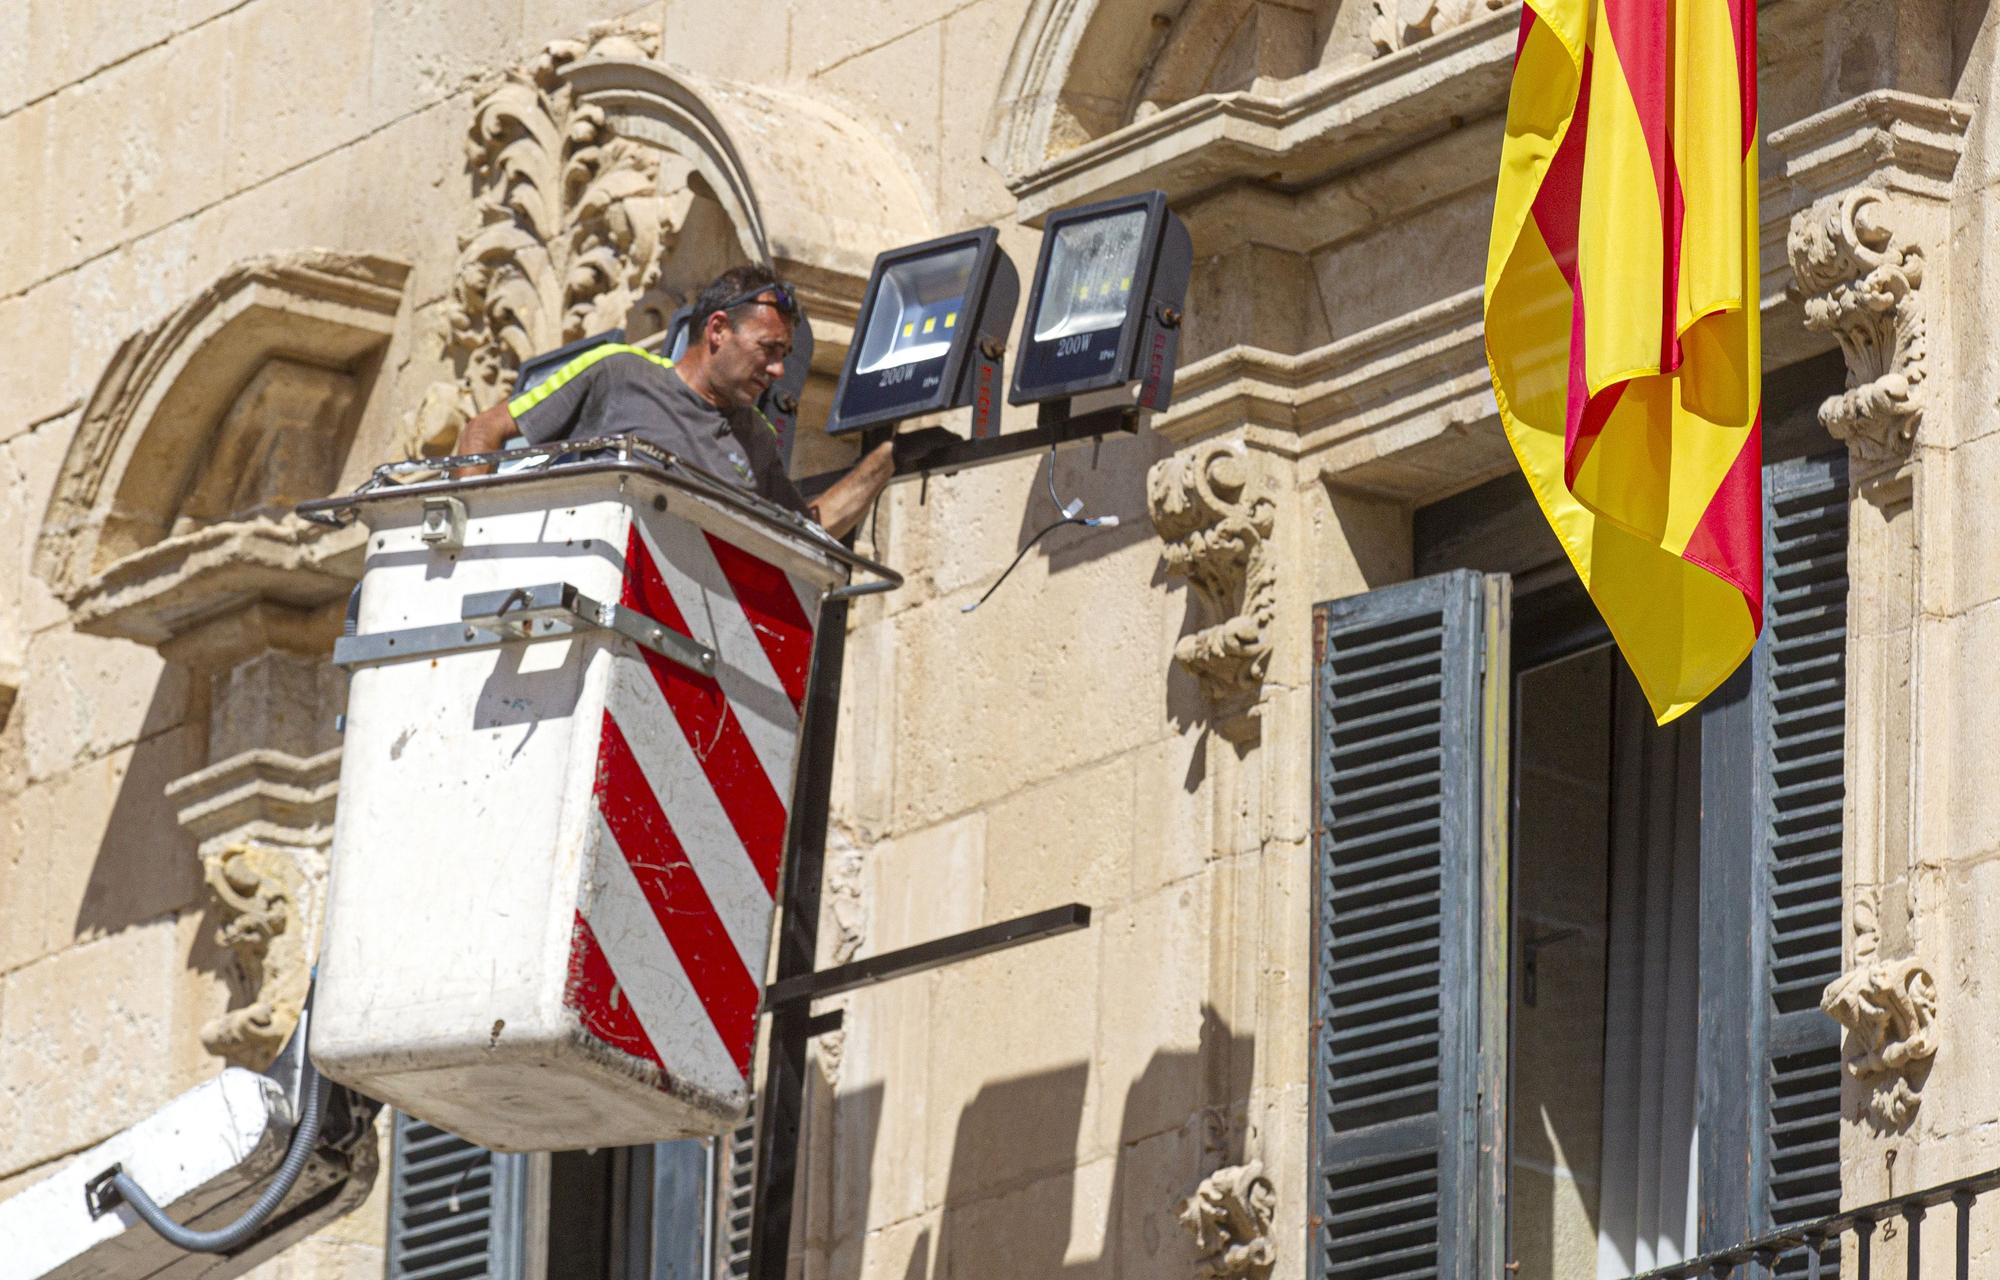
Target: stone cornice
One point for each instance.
(171, 588)
(1896, 141)
(1323, 124)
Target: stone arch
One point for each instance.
(1084, 68)
(793, 181)
(238, 404)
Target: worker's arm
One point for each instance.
(485, 432)
(841, 507)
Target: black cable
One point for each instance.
(1069, 516)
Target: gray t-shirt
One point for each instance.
(616, 390)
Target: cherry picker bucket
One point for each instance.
(575, 702)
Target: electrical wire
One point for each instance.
(1071, 514)
(313, 1089)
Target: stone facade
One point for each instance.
(257, 248)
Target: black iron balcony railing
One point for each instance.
(1812, 1248)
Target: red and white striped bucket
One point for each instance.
(556, 856)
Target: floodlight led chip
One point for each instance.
(935, 315)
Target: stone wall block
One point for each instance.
(971, 73)
(1010, 1086)
(896, 86)
(1069, 840)
(158, 163)
(29, 231)
(85, 696)
(882, 1113)
(291, 99)
(1405, 263)
(113, 852)
(928, 883)
(1959, 570)
(1172, 837)
(1045, 1229)
(1047, 675)
(1959, 802)
(1160, 1047)
(899, 1250)
(28, 464)
(83, 1035)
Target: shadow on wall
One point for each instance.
(145, 864)
(1017, 1204)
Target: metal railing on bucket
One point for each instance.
(1814, 1249)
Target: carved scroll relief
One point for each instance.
(1230, 1216)
(1398, 24)
(1216, 526)
(1861, 280)
(574, 225)
(1889, 1008)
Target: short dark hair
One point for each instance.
(746, 278)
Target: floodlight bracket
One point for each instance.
(937, 450)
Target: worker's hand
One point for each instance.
(483, 433)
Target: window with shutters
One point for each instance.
(1530, 893)
(461, 1212)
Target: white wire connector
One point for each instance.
(1072, 513)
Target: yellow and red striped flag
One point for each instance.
(1621, 320)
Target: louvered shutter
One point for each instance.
(1411, 731)
(1799, 720)
(457, 1211)
(736, 1197)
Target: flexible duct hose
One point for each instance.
(223, 1239)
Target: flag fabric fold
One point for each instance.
(1621, 320)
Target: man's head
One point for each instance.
(740, 334)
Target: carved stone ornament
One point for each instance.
(1862, 281)
(1889, 1008)
(1890, 1012)
(1216, 526)
(256, 893)
(574, 224)
(1398, 24)
(1230, 1216)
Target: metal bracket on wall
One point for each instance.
(547, 611)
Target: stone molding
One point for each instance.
(1230, 1216)
(1308, 128)
(170, 589)
(1861, 279)
(1904, 143)
(1216, 523)
(178, 377)
(816, 196)
(266, 796)
(1399, 24)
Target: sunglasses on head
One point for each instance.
(782, 299)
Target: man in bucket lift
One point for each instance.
(701, 409)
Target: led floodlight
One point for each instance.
(932, 329)
(1105, 308)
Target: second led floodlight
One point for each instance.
(1105, 309)
(931, 334)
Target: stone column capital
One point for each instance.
(1869, 179)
